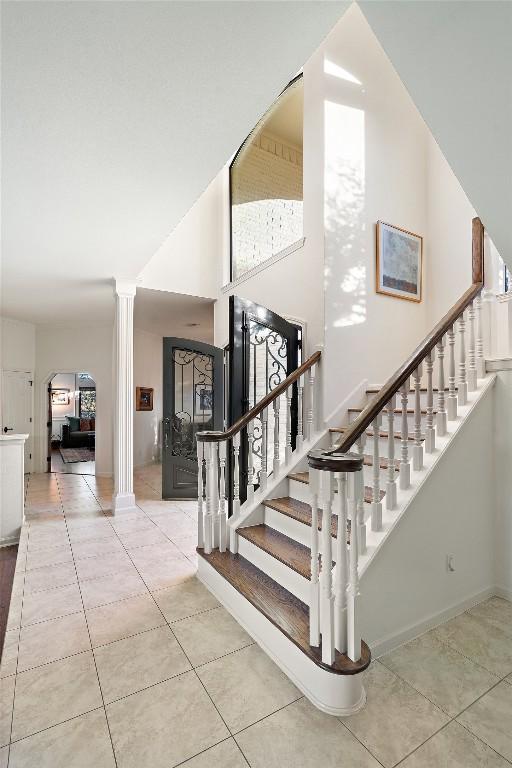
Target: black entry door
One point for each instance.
(264, 350)
(193, 402)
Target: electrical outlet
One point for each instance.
(450, 563)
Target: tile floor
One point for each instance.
(115, 655)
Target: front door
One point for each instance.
(193, 401)
(17, 409)
(264, 350)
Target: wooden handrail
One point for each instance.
(243, 421)
(392, 386)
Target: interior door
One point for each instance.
(193, 401)
(17, 409)
(264, 350)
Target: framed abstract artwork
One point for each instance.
(144, 399)
(399, 262)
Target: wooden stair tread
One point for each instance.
(288, 551)
(382, 435)
(286, 612)
(301, 511)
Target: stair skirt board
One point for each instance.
(338, 695)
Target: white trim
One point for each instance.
(498, 364)
(503, 592)
(296, 246)
(502, 298)
(389, 642)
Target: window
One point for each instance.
(87, 402)
(266, 184)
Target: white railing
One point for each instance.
(218, 456)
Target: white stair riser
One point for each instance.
(398, 421)
(423, 400)
(383, 446)
(293, 528)
(288, 578)
(301, 491)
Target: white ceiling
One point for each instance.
(171, 314)
(115, 117)
(455, 59)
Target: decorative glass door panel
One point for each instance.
(193, 402)
(264, 350)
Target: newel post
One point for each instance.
(338, 598)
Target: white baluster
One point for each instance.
(376, 505)
(417, 450)
(288, 448)
(441, 396)
(405, 467)
(430, 432)
(341, 578)
(300, 418)
(472, 377)
(480, 362)
(250, 462)
(361, 525)
(233, 536)
(200, 492)
(264, 439)
(391, 481)
(462, 383)
(355, 490)
(277, 457)
(314, 605)
(211, 455)
(327, 606)
(311, 409)
(223, 518)
(452, 395)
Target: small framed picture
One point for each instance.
(399, 262)
(144, 399)
(204, 399)
(60, 396)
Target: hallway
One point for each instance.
(116, 655)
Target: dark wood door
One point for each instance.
(193, 401)
(264, 350)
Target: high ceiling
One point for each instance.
(455, 59)
(115, 117)
(174, 314)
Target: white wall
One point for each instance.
(147, 372)
(453, 513)
(189, 260)
(62, 349)
(503, 479)
(18, 345)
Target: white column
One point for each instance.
(124, 498)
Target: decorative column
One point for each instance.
(124, 498)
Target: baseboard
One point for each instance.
(104, 474)
(505, 593)
(390, 642)
(145, 464)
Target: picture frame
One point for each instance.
(60, 396)
(399, 262)
(144, 399)
(204, 400)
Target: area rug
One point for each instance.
(71, 455)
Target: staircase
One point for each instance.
(288, 562)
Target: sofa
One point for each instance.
(78, 433)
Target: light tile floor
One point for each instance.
(117, 657)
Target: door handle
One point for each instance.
(167, 424)
(8, 429)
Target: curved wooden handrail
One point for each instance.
(243, 421)
(392, 386)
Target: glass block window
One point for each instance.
(266, 184)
